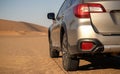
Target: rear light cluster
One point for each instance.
(85, 46)
(84, 10)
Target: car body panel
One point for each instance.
(55, 34)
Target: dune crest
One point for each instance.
(8, 27)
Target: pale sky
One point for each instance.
(32, 11)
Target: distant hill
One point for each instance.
(8, 25)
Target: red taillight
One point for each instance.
(84, 10)
(86, 45)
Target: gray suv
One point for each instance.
(84, 27)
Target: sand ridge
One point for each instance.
(8, 27)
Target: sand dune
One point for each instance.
(8, 27)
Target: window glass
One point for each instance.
(65, 5)
(75, 1)
(72, 1)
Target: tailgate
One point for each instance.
(107, 23)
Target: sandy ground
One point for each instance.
(28, 53)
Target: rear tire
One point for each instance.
(54, 53)
(69, 63)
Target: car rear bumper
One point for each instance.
(98, 48)
(111, 48)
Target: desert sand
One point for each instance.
(24, 49)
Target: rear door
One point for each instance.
(57, 24)
(108, 22)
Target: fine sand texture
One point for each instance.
(24, 49)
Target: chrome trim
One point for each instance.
(111, 48)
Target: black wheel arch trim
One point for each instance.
(63, 26)
(49, 35)
(62, 31)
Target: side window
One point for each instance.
(65, 5)
(75, 1)
(72, 1)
